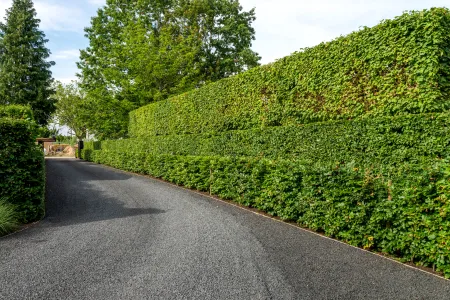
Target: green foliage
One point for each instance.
(365, 142)
(22, 175)
(143, 51)
(47, 131)
(64, 139)
(8, 218)
(16, 112)
(70, 108)
(401, 66)
(25, 76)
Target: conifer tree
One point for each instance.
(25, 76)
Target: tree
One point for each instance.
(25, 76)
(148, 50)
(226, 36)
(70, 108)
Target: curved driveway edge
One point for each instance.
(113, 235)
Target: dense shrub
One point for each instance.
(22, 176)
(400, 66)
(401, 211)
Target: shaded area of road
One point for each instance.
(112, 235)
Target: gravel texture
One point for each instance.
(113, 235)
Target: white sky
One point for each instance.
(282, 26)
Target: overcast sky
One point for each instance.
(282, 26)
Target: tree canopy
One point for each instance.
(147, 50)
(25, 76)
(70, 108)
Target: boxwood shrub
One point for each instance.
(401, 66)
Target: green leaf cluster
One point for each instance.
(8, 218)
(384, 140)
(22, 174)
(401, 66)
(16, 112)
(70, 108)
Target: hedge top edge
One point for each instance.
(16, 112)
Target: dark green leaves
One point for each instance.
(22, 176)
(25, 76)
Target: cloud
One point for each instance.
(61, 17)
(97, 2)
(66, 80)
(72, 54)
(67, 16)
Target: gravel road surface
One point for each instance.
(113, 235)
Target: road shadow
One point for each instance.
(93, 170)
(75, 196)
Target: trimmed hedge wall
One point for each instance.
(387, 141)
(401, 66)
(22, 175)
(402, 211)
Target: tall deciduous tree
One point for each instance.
(25, 76)
(147, 50)
(70, 108)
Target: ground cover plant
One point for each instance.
(8, 218)
(348, 138)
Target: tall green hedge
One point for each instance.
(386, 140)
(22, 175)
(401, 66)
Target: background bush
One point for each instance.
(398, 67)
(22, 175)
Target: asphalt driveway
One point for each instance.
(113, 235)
